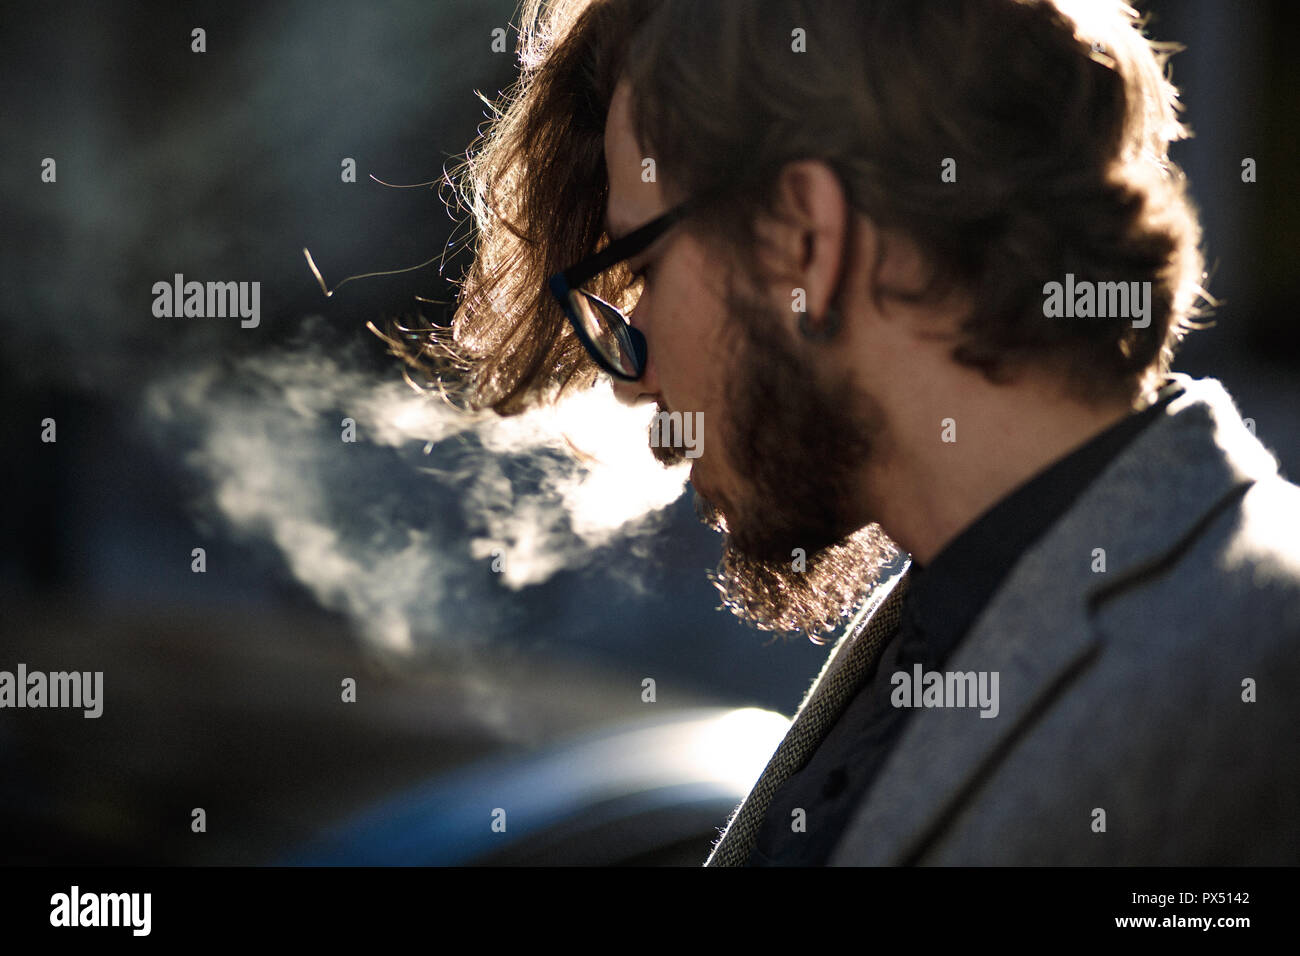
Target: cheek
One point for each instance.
(695, 319)
(699, 363)
(688, 318)
(705, 368)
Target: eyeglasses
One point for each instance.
(604, 331)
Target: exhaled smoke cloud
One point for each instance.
(395, 527)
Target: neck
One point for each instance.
(927, 490)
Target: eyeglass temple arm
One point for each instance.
(623, 248)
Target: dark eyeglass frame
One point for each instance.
(568, 283)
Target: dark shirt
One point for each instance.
(942, 601)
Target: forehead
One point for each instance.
(632, 201)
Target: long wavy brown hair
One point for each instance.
(1058, 116)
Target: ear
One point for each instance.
(804, 246)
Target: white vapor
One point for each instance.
(367, 529)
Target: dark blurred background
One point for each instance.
(222, 688)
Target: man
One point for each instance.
(919, 270)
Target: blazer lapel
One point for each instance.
(1033, 646)
(1036, 632)
(841, 676)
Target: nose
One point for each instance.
(635, 393)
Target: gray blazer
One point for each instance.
(1126, 733)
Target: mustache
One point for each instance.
(666, 453)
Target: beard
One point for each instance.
(797, 557)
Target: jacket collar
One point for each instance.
(846, 666)
(1036, 631)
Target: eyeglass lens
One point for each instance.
(605, 326)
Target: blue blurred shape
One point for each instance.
(599, 798)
